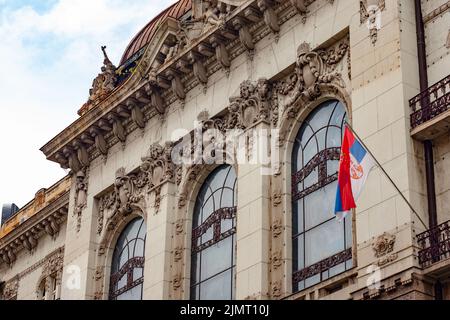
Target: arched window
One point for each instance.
(213, 237)
(127, 271)
(321, 245)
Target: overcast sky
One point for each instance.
(49, 55)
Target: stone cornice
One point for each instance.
(158, 83)
(26, 235)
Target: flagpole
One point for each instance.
(386, 174)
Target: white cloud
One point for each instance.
(48, 59)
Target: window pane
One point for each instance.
(227, 198)
(332, 167)
(138, 273)
(214, 258)
(298, 256)
(311, 179)
(217, 288)
(323, 242)
(298, 217)
(208, 236)
(334, 138)
(133, 294)
(215, 261)
(309, 152)
(130, 245)
(319, 206)
(195, 269)
(316, 234)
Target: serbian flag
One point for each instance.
(354, 168)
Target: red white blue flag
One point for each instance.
(354, 168)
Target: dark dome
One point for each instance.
(175, 11)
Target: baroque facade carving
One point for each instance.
(316, 72)
(54, 264)
(126, 198)
(103, 84)
(81, 188)
(253, 105)
(383, 248)
(11, 289)
(370, 11)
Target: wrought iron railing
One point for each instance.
(430, 103)
(435, 245)
(323, 266)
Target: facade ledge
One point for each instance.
(160, 80)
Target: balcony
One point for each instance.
(430, 111)
(435, 248)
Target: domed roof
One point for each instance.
(175, 11)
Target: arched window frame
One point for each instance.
(318, 162)
(135, 260)
(215, 225)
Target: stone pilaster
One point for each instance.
(158, 250)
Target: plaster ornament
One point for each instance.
(370, 11)
(251, 106)
(316, 71)
(11, 289)
(383, 245)
(81, 188)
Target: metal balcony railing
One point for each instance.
(435, 245)
(430, 103)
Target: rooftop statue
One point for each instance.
(103, 84)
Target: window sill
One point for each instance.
(327, 287)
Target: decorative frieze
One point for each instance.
(54, 264)
(167, 68)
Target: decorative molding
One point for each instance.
(81, 189)
(383, 248)
(102, 85)
(277, 228)
(316, 71)
(437, 12)
(178, 254)
(47, 222)
(42, 262)
(177, 282)
(11, 289)
(277, 199)
(370, 11)
(277, 260)
(165, 73)
(276, 289)
(54, 263)
(158, 166)
(126, 198)
(252, 106)
(383, 245)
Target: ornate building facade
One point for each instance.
(131, 222)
